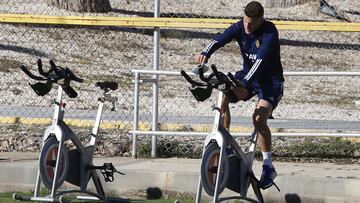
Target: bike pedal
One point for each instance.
(107, 170)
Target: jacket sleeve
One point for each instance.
(221, 40)
(268, 49)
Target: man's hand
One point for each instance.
(200, 59)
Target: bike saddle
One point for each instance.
(107, 85)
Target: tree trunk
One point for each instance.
(284, 3)
(95, 6)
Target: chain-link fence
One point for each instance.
(94, 54)
(110, 53)
(304, 10)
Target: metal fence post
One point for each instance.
(155, 83)
(136, 114)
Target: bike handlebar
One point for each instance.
(73, 76)
(59, 73)
(220, 75)
(235, 80)
(221, 78)
(191, 81)
(202, 90)
(64, 73)
(32, 76)
(202, 77)
(53, 75)
(41, 70)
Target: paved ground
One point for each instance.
(299, 182)
(24, 115)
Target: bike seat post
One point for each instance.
(59, 111)
(108, 97)
(218, 120)
(96, 127)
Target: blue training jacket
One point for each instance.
(260, 52)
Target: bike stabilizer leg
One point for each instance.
(216, 192)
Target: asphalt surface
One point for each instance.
(7, 112)
(298, 182)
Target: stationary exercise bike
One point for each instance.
(57, 161)
(224, 164)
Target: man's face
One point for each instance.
(252, 24)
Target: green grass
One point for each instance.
(310, 147)
(327, 148)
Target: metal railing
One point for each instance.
(154, 132)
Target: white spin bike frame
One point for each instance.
(225, 140)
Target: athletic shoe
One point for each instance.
(267, 177)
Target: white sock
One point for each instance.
(267, 158)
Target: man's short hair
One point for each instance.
(254, 9)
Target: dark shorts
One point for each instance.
(270, 90)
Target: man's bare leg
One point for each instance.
(262, 112)
(227, 117)
(260, 116)
(241, 94)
